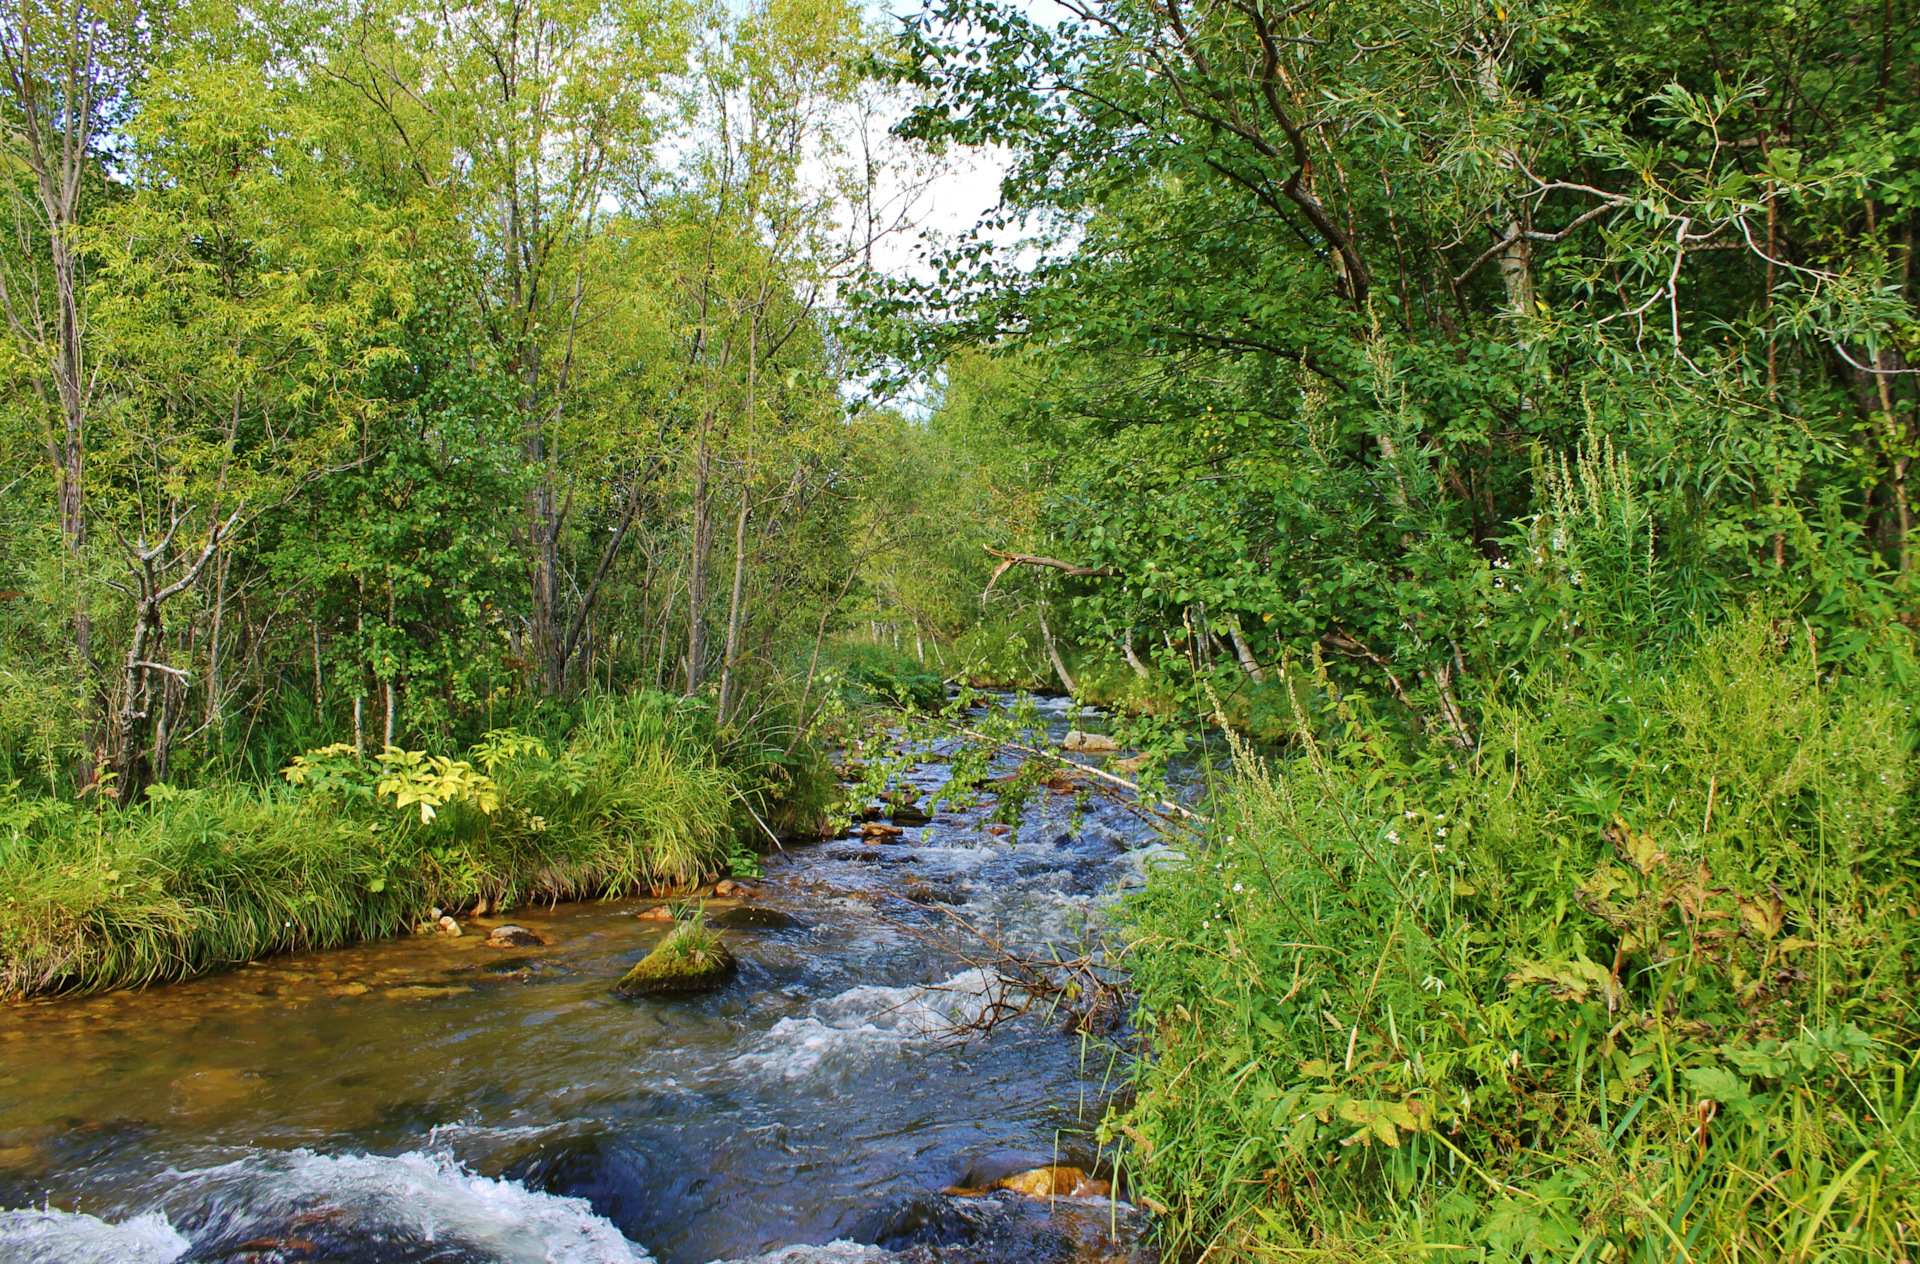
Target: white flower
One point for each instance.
(1441, 832)
(1238, 888)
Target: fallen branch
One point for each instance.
(1165, 804)
(1011, 560)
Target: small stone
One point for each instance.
(998, 830)
(1089, 743)
(728, 889)
(449, 927)
(658, 913)
(1131, 765)
(513, 937)
(880, 833)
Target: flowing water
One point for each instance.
(437, 1099)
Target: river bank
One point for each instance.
(640, 793)
(442, 1095)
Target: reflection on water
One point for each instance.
(440, 1099)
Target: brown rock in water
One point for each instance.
(1053, 1181)
(997, 830)
(1089, 743)
(449, 927)
(881, 833)
(513, 937)
(728, 889)
(1131, 765)
(658, 913)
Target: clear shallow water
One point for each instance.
(438, 1099)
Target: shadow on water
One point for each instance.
(438, 1099)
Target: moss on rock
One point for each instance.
(691, 959)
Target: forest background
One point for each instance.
(1502, 415)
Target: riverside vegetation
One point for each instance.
(440, 488)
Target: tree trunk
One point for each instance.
(133, 721)
(734, 604)
(1053, 652)
(697, 576)
(1245, 652)
(1133, 660)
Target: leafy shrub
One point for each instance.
(1633, 980)
(884, 675)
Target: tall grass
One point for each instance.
(1633, 981)
(196, 880)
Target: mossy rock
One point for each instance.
(692, 959)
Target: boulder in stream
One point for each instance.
(513, 937)
(1089, 743)
(658, 913)
(691, 959)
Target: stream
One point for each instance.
(439, 1099)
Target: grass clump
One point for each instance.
(357, 848)
(1632, 981)
(690, 959)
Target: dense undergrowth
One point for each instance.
(1633, 980)
(641, 792)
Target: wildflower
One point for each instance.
(1238, 888)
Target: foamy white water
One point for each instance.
(842, 1032)
(427, 1197)
(52, 1236)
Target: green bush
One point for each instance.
(356, 848)
(879, 674)
(1632, 980)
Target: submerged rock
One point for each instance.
(691, 959)
(658, 913)
(839, 1251)
(1054, 1181)
(745, 918)
(728, 889)
(1089, 743)
(513, 937)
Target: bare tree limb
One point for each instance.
(1011, 560)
